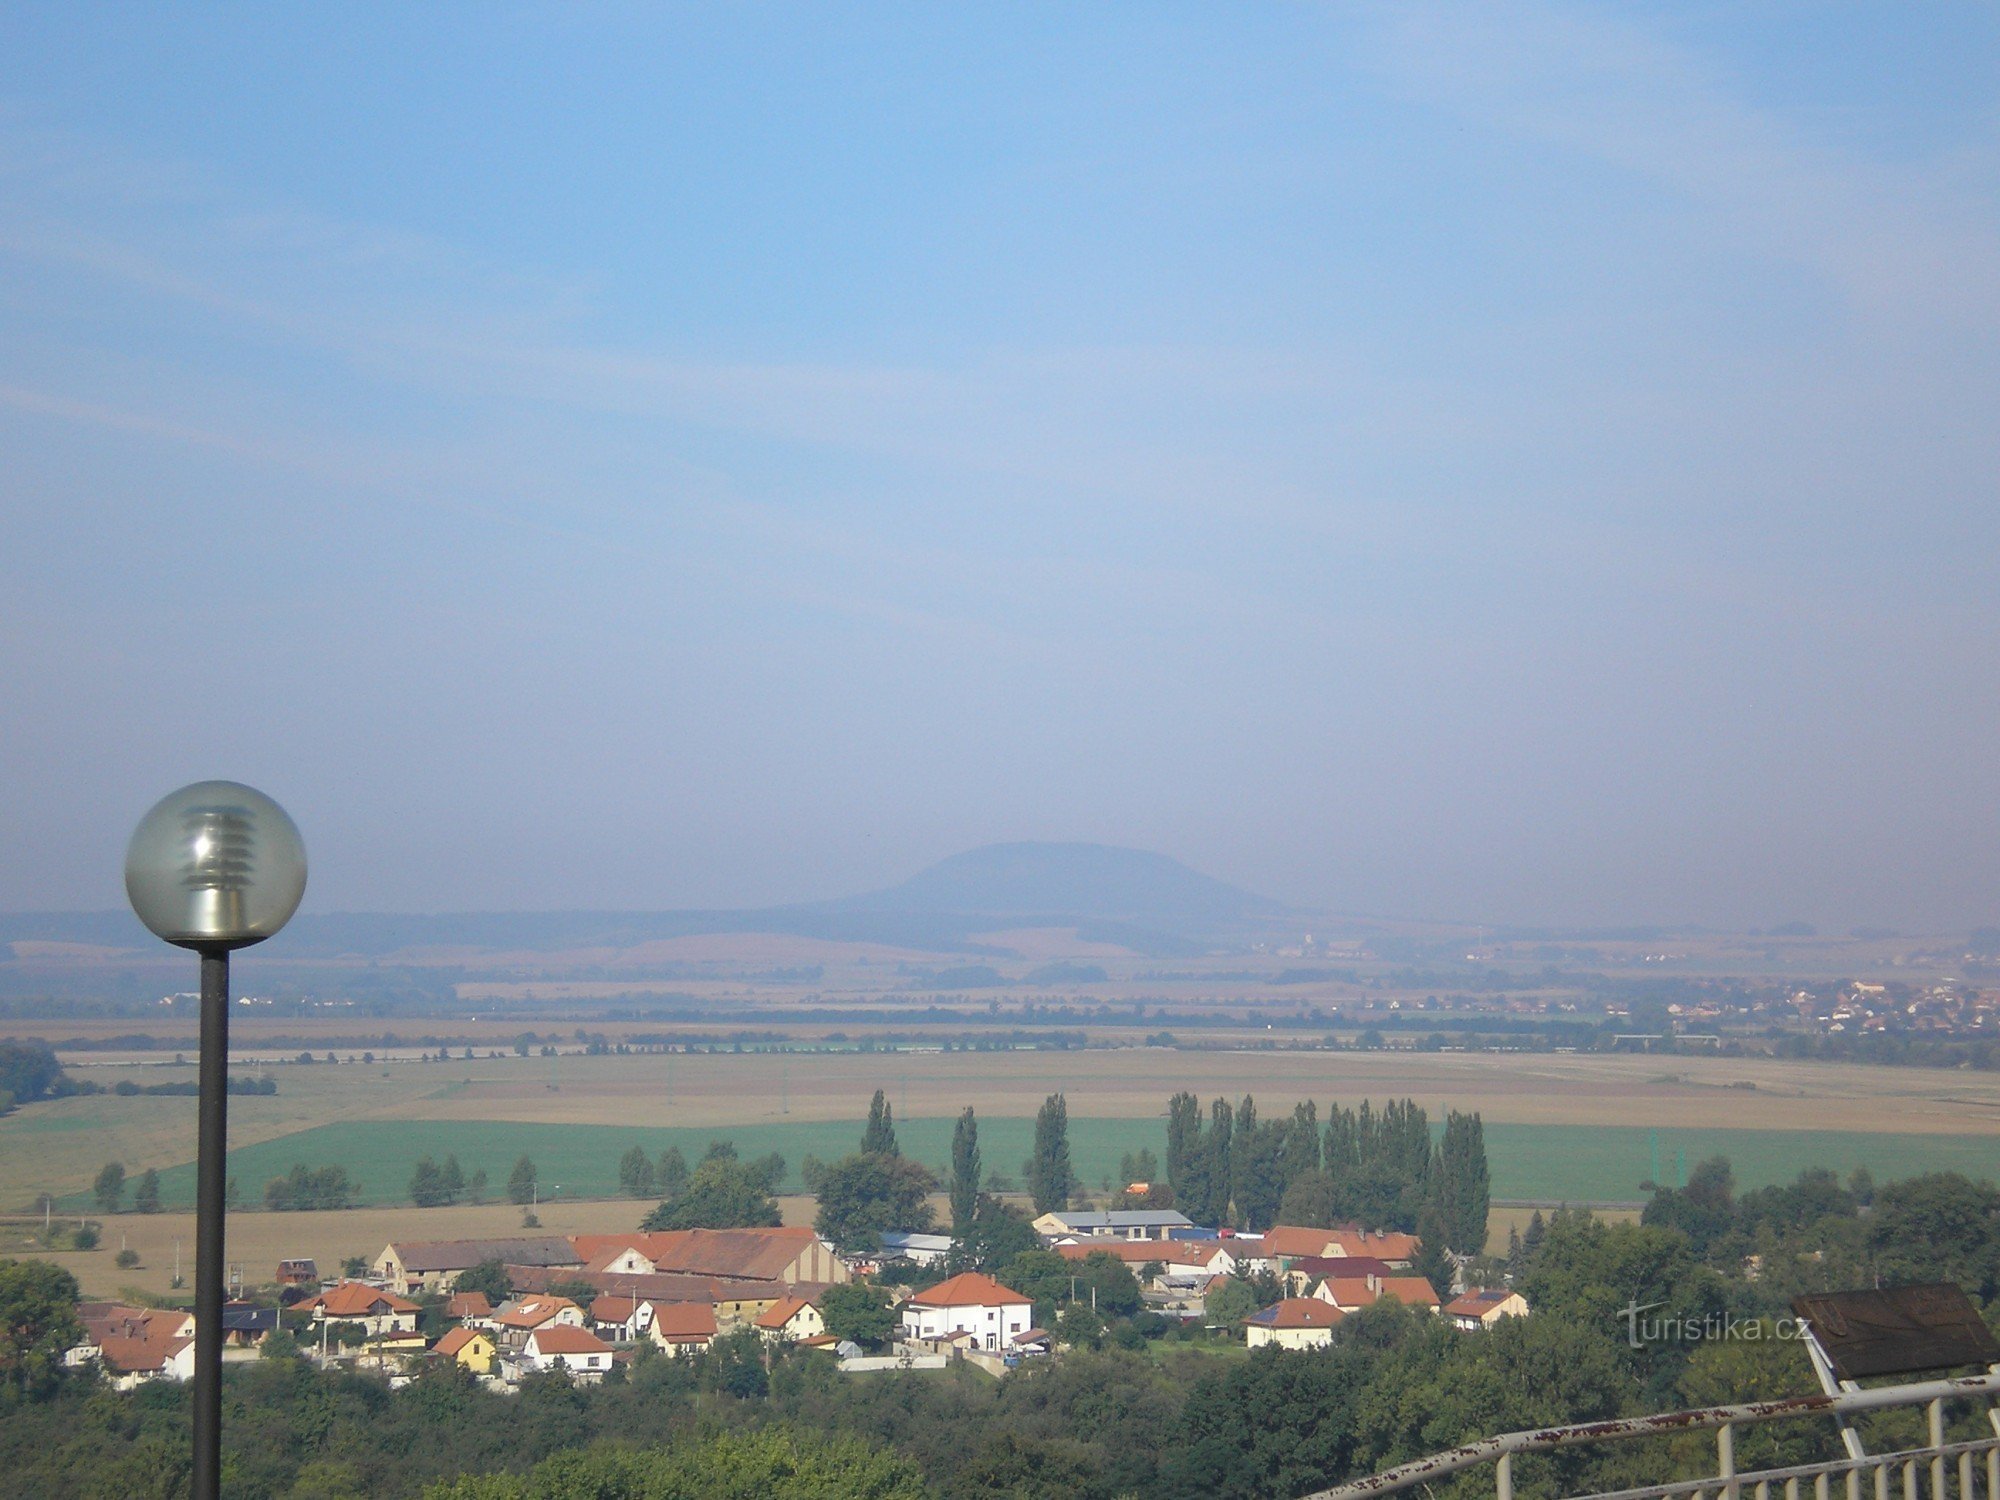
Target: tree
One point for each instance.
(1259, 1151)
(859, 1310)
(29, 1071)
(431, 1185)
(772, 1463)
(636, 1176)
(1309, 1202)
(305, 1188)
(722, 1194)
(1078, 1327)
(1432, 1263)
(670, 1180)
(998, 1235)
(1221, 1163)
(879, 1139)
(964, 1172)
(734, 1365)
(1704, 1210)
(37, 1323)
(1462, 1189)
(863, 1196)
(1243, 1164)
(490, 1277)
(1106, 1281)
(146, 1196)
(1050, 1180)
(521, 1182)
(109, 1188)
(768, 1169)
(1229, 1301)
(1139, 1166)
(1941, 1226)
(1183, 1138)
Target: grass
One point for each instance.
(1536, 1163)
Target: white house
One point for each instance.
(378, 1312)
(970, 1304)
(515, 1320)
(559, 1346)
(683, 1327)
(621, 1318)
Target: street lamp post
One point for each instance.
(213, 867)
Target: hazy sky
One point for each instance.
(1511, 463)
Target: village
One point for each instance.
(581, 1306)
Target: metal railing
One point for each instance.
(1925, 1473)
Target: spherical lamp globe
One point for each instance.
(215, 865)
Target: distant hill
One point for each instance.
(1068, 880)
(1148, 902)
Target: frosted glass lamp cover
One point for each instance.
(217, 864)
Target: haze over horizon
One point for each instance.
(1526, 464)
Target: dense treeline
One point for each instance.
(1376, 1168)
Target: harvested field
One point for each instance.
(1763, 1113)
(1531, 1163)
(256, 1242)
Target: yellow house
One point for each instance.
(791, 1318)
(471, 1347)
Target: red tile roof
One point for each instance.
(560, 1338)
(781, 1312)
(1287, 1240)
(457, 1339)
(532, 1312)
(1412, 1291)
(681, 1322)
(355, 1299)
(141, 1355)
(1348, 1266)
(969, 1289)
(1297, 1312)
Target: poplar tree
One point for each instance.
(1461, 1187)
(670, 1180)
(1221, 1163)
(879, 1139)
(1243, 1157)
(1050, 1179)
(964, 1172)
(1183, 1138)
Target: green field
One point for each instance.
(1542, 1163)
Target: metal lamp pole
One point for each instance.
(213, 867)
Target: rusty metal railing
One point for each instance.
(1924, 1473)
